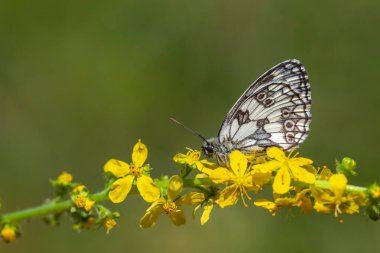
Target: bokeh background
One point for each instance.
(81, 81)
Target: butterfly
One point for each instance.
(273, 111)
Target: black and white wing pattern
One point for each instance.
(273, 111)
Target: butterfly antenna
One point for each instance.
(189, 129)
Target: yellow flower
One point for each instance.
(207, 208)
(171, 205)
(239, 180)
(191, 157)
(374, 191)
(287, 168)
(84, 202)
(300, 200)
(109, 224)
(338, 183)
(198, 199)
(65, 178)
(79, 188)
(89, 223)
(337, 199)
(127, 174)
(8, 233)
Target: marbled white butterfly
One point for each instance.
(273, 111)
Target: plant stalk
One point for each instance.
(60, 206)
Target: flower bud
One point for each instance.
(9, 233)
(374, 191)
(348, 163)
(346, 167)
(373, 212)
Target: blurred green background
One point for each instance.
(81, 81)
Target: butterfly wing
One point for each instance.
(273, 111)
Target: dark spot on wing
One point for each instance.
(242, 117)
(267, 78)
(262, 122)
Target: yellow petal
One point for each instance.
(179, 158)
(351, 207)
(316, 193)
(247, 183)
(269, 205)
(147, 189)
(276, 153)
(139, 154)
(199, 165)
(192, 156)
(302, 174)
(175, 187)
(178, 217)
(310, 168)
(195, 210)
(284, 201)
(267, 166)
(305, 205)
(325, 174)
(150, 217)
(338, 183)
(8, 233)
(192, 198)
(201, 175)
(120, 189)
(281, 183)
(65, 178)
(89, 205)
(261, 178)
(160, 202)
(206, 213)
(220, 175)
(208, 164)
(238, 162)
(205, 166)
(228, 196)
(300, 161)
(320, 208)
(117, 168)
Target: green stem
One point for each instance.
(324, 184)
(52, 207)
(59, 206)
(321, 184)
(196, 182)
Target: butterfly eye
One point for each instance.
(208, 149)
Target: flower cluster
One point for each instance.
(205, 185)
(293, 180)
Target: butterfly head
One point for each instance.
(209, 147)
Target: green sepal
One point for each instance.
(346, 167)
